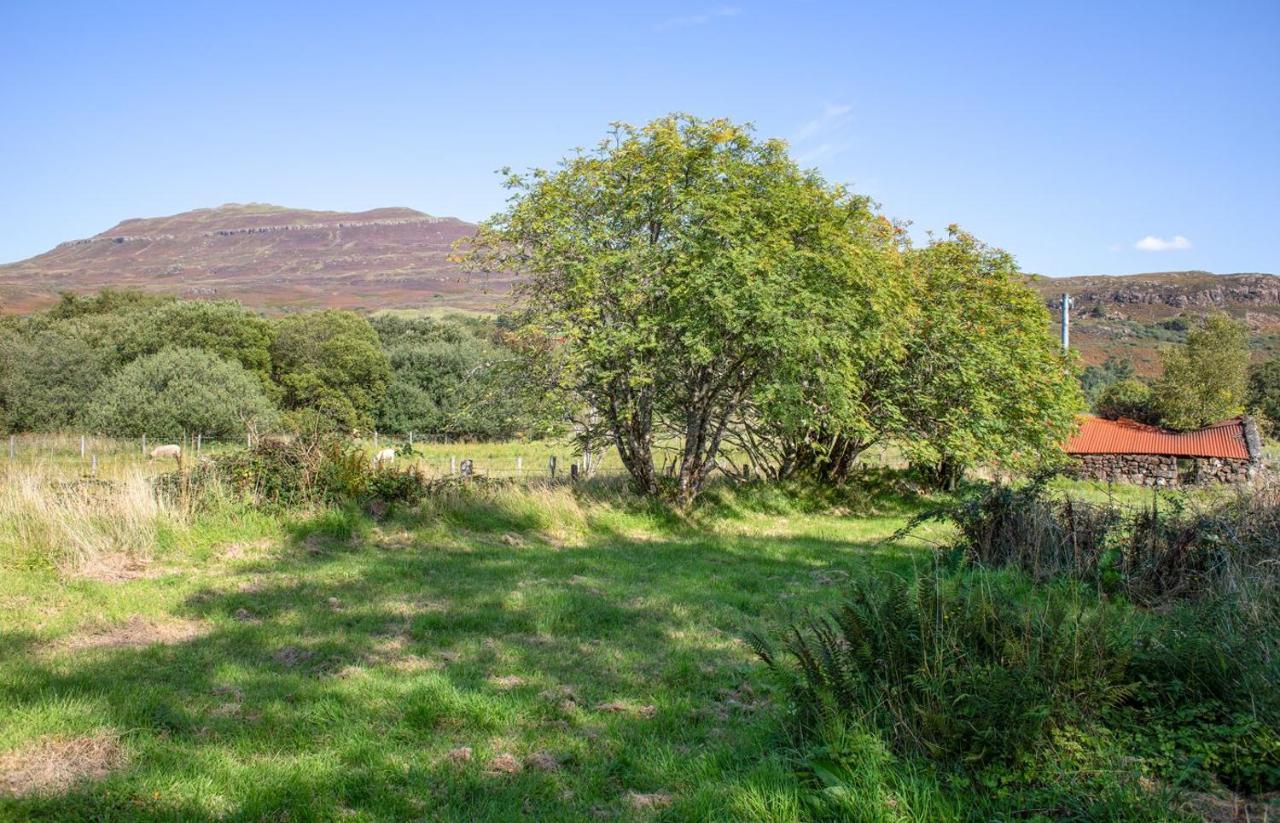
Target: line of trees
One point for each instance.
(698, 298)
(125, 363)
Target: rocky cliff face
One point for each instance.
(1130, 316)
(1166, 290)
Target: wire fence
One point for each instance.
(435, 455)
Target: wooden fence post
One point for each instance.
(144, 444)
(453, 464)
(551, 466)
(95, 465)
(519, 466)
(82, 447)
(12, 443)
(199, 443)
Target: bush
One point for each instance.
(1130, 399)
(958, 670)
(178, 391)
(1152, 554)
(992, 679)
(315, 469)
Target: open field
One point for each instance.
(539, 650)
(542, 653)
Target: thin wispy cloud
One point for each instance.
(1153, 243)
(698, 19)
(821, 137)
(833, 116)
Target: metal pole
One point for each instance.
(1066, 322)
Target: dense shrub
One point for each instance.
(318, 469)
(1152, 554)
(956, 669)
(221, 327)
(986, 674)
(456, 377)
(1130, 399)
(330, 362)
(177, 391)
(46, 378)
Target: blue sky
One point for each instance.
(1083, 137)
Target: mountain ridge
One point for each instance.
(270, 257)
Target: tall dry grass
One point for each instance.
(50, 520)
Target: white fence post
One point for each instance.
(144, 444)
(519, 466)
(82, 447)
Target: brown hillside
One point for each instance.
(266, 256)
(1135, 315)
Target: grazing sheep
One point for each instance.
(171, 450)
(384, 456)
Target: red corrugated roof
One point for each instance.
(1097, 436)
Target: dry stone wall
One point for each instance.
(1162, 470)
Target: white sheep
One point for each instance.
(170, 450)
(384, 456)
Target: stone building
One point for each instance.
(1124, 451)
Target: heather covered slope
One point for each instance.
(266, 256)
(1132, 316)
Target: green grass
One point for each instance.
(330, 664)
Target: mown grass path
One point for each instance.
(477, 661)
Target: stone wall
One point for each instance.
(1162, 470)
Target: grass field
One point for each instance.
(534, 650)
(539, 653)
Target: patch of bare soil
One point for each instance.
(136, 632)
(55, 764)
(543, 762)
(504, 763)
(651, 801)
(117, 568)
(623, 706)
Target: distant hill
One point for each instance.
(1133, 315)
(266, 256)
(278, 259)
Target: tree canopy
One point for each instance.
(179, 391)
(984, 382)
(331, 363)
(676, 270)
(1207, 379)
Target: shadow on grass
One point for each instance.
(337, 676)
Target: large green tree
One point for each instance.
(676, 271)
(984, 381)
(330, 363)
(179, 391)
(1207, 379)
